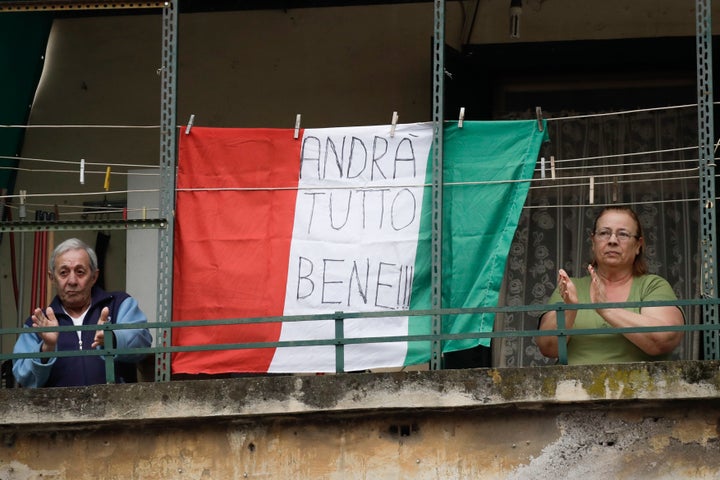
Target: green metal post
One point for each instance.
(562, 339)
(340, 345)
(437, 179)
(109, 356)
(706, 137)
(168, 141)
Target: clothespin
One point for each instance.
(189, 124)
(552, 167)
(539, 115)
(22, 213)
(461, 118)
(107, 179)
(542, 167)
(592, 190)
(56, 213)
(615, 190)
(144, 213)
(394, 124)
(82, 171)
(297, 126)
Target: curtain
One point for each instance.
(647, 160)
(23, 38)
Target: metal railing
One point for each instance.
(339, 341)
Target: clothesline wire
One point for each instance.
(606, 204)
(601, 183)
(661, 175)
(579, 181)
(622, 166)
(588, 167)
(87, 211)
(625, 112)
(605, 168)
(560, 182)
(77, 162)
(74, 172)
(631, 154)
(559, 160)
(445, 184)
(129, 165)
(75, 194)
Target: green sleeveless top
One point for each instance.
(611, 348)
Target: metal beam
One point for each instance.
(75, 5)
(46, 226)
(437, 180)
(168, 152)
(706, 140)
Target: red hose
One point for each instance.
(34, 284)
(13, 262)
(42, 294)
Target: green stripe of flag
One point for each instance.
(479, 222)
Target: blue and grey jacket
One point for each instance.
(83, 370)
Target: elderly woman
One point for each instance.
(617, 273)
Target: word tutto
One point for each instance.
(359, 209)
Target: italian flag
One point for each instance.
(339, 220)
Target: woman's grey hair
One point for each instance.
(73, 244)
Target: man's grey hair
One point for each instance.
(73, 244)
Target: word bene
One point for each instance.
(355, 283)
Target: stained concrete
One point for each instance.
(656, 420)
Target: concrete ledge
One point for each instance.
(248, 397)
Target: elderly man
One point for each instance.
(73, 270)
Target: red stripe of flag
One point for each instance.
(232, 247)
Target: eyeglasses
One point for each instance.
(621, 235)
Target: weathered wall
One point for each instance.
(636, 421)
